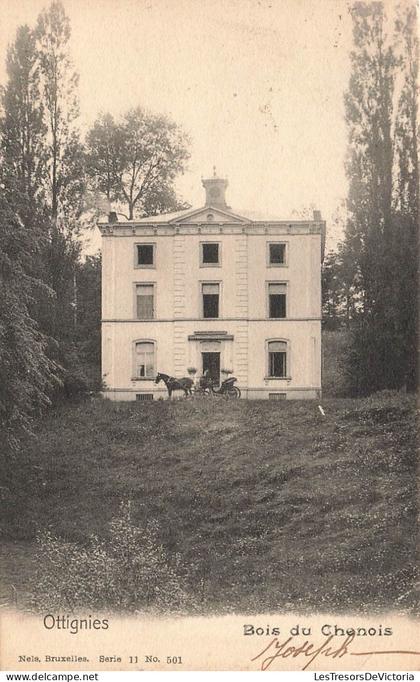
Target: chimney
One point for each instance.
(317, 215)
(112, 217)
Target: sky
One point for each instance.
(257, 84)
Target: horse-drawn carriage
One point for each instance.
(227, 388)
(205, 387)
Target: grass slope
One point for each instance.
(270, 504)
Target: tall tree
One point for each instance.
(381, 242)
(59, 83)
(376, 359)
(104, 155)
(27, 374)
(22, 126)
(42, 183)
(64, 162)
(369, 103)
(406, 191)
(23, 157)
(135, 161)
(406, 196)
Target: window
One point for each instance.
(210, 254)
(144, 396)
(145, 255)
(277, 300)
(277, 254)
(277, 359)
(210, 293)
(145, 301)
(145, 360)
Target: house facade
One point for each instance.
(215, 290)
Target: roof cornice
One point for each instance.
(272, 227)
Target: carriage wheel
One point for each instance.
(234, 392)
(200, 392)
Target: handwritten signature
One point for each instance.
(276, 649)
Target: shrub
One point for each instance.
(128, 570)
(80, 379)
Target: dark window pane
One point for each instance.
(210, 305)
(210, 253)
(277, 253)
(145, 254)
(277, 364)
(277, 305)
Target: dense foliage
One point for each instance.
(370, 283)
(27, 373)
(50, 179)
(127, 569)
(134, 161)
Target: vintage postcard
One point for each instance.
(208, 335)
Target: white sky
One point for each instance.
(258, 85)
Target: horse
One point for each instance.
(173, 384)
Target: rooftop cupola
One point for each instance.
(215, 190)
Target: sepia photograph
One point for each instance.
(209, 217)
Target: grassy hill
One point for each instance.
(270, 504)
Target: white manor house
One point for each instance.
(213, 290)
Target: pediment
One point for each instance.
(209, 215)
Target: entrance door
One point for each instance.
(211, 362)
